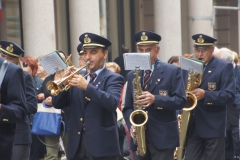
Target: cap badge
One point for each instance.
(144, 37)
(87, 39)
(200, 39)
(10, 48)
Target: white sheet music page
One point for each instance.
(190, 64)
(141, 60)
(53, 62)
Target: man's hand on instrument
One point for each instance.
(199, 93)
(69, 71)
(132, 131)
(78, 81)
(146, 99)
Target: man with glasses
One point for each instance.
(22, 141)
(207, 130)
(12, 101)
(163, 94)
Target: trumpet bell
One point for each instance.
(52, 88)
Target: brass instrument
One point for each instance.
(54, 87)
(194, 80)
(68, 61)
(138, 117)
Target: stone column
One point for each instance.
(84, 17)
(38, 27)
(167, 19)
(238, 32)
(199, 19)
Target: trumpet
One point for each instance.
(54, 87)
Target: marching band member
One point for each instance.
(163, 94)
(12, 103)
(93, 133)
(23, 139)
(208, 126)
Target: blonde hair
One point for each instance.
(114, 65)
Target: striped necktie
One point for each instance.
(146, 78)
(92, 77)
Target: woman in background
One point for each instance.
(41, 73)
(38, 149)
(53, 152)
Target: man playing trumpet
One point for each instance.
(92, 103)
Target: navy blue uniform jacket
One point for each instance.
(96, 107)
(23, 132)
(13, 107)
(210, 113)
(233, 109)
(162, 124)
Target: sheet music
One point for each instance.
(190, 64)
(53, 62)
(133, 60)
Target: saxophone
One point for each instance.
(194, 80)
(138, 117)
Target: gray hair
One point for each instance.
(226, 54)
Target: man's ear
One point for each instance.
(158, 49)
(105, 54)
(212, 49)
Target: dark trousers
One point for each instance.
(232, 142)
(154, 154)
(21, 151)
(83, 154)
(38, 149)
(6, 142)
(205, 148)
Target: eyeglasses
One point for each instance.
(25, 64)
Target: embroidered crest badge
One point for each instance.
(211, 86)
(144, 37)
(200, 39)
(10, 48)
(163, 92)
(87, 39)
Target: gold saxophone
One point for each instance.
(194, 80)
(138, 117)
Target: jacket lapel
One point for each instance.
(209, 69)
(100, 78)
(158, 75)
